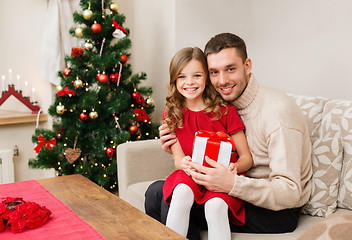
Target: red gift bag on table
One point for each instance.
(216, 145)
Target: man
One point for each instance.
(278, 184)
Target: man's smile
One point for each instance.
(226, 89)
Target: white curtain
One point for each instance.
(57, 41)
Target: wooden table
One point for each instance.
(104, 211)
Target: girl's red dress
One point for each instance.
(193, 122)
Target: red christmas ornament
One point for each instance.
(114, 77)
(124, 58)
(110, 152)
(138, 98)
(103, 78)
(83, 117)
(66, 72)
(98, 75)
(96, 28)
(133, 129)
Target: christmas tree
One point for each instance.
(99, 104)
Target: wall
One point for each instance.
(21, 30)
(301, 47)
(21, 24)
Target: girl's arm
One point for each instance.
(245, 160)
(180, 158)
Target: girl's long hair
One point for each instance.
(175, 101)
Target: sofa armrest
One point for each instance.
(141, 161)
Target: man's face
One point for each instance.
(228, 73)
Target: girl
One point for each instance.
(193, 104)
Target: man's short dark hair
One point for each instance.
(226, 40)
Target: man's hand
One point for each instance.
(216, 179)
(167, 138)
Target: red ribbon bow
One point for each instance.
(141, 115)
(76, 52)
(118, 26)
(216, 136)
(41, 142)
(65, 91)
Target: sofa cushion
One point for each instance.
(338, 115)
(304, 223)
(335, 227)
(326, 163)
(312, 108)
(326, 160)
(135, 194)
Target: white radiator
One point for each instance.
(7, 174)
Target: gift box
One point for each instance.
(216, 145)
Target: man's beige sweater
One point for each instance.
(279, 141)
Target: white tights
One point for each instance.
(216, 214)
(180, 208)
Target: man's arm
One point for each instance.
(167, 138)
(281, 190)
(283, 187)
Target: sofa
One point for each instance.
(327, 215)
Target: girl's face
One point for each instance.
(191, 83)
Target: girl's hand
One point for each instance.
(185, 163)
(232, 168)
(217, 178)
